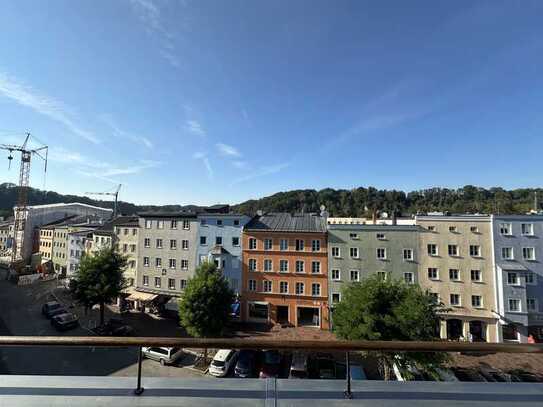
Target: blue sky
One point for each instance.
(222, 101)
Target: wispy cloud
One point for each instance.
(113, 170)
(150, 15)
(195, 127)
(205, 161)
(227, 150)
(239, 164)
(40, 103)
(118, 132)
(261, 172)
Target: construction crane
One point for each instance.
(24, 180)
(115, 194)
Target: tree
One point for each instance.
(99, 279)
(205, 306)
(375, 309)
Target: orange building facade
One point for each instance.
(285, 277)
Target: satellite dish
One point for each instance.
(322, 207)
(366, 208)
(384, 215)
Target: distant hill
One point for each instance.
(339, 202)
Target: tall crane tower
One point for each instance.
(24, 180)
(115, 194)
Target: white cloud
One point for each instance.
(55, 110)
(205, 161)
(228, 150)
(195, 127)
(118, 132)
(239, 164)
(262, 172)
(110, 170)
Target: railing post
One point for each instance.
(139, 389)
(348, 394)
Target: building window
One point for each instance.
(528, 253)
(172, 263)
(408, 254)
(315, 267)
(505, 229)
(433, 273)
(355, 275)
(454, 275)
(476, 275)
(185, 244)
(432, 249)
(283, 266)
(267, 265)
(513, 279)
(203, 240)
(435, 297)
(315, 290)
(507, 253)
(299, 245)
(300, 288)
(171, 284)
(531, 304)
(173, 244)
(453, 229)
(146, 242)
(218, 240)
(354, 252)
(148, 224)
(267, 286)
(336, 274)
(160, 224)
(455, 300)
(527, 229)
(236, 222)
(184, 264)
(300, 266)
(146, 261)
(235, 241)
(157, 282)
(203, 222)
(268, 243)
(408, 277)
(382, 275)
(186, 225)
(219, 222)
(510, 332)
(315, 245)
(283, 287)
(514, 305)
(252, 243)
(182, 284)
(474, 229)
(145, 280)
(252, 265)
(531, 278)
(353, 236)
(335, 251)
(336, 298)
(380, 236)
(132, 248)
(159, 243)
(476, 301)
(475, 250)
(283, 244)
(381, 253)
(173, 224)
(453, 250)
(252, 285)
(431, 228)
(158, 262)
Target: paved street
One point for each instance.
(20, 314)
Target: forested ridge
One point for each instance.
(339, 202)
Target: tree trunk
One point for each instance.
(386, 370)
(205, 355)
(102, 309)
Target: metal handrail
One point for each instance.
(241, 343)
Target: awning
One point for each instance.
(139, 296)
(512, 267)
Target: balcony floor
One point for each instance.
(84, 391)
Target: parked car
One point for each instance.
(64, 322)
(223, 360)
(114, 327)
(166, 356)
(52, 308)
(468, 375)
(298, 366)
(271, 363)
(326, 367)
(246, 364)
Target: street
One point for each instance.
(20, 314)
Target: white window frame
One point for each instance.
(511, 252)
(523, 229)
(480, 272)
(411, 278)
(480, 301)
(313, 285)
(456, 252)
(184, 264)
(411, 256)
(301, 285)
(282, 268)
(298, 270)
(186, 224)
(315, 264)
(335, 274)
(283, 245)
(250, 262)
(517, 279)
(184, 244)
(268, 265)
(251, 285)
(299, 245)
(332, 298)
(357, 250)
(505, 229)
(357, 275)
(265, 283)
(532, 280)
(172, 263)
(268, 244)
(282, 284)
(316, 245)
(453, 229)
(459, 304)
(533, 257)
(509, 305)
(252, 243)
(381, 236)
(433, 253)
(384, 257)
(479, 250)
(535, 308)
(428, 273)
(337, 251)
(457, 274)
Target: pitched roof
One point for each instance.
(285, 222)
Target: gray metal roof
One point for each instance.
(285, 222)
(187, 214)
(512, 266)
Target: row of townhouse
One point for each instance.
(485, 268)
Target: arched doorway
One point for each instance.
(454, 329)
(477, 329)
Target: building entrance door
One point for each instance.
(282, 314)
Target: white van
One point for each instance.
(221, 363)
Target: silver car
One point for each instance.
(166, 356)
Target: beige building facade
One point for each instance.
(126, 242)
(456, 265)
